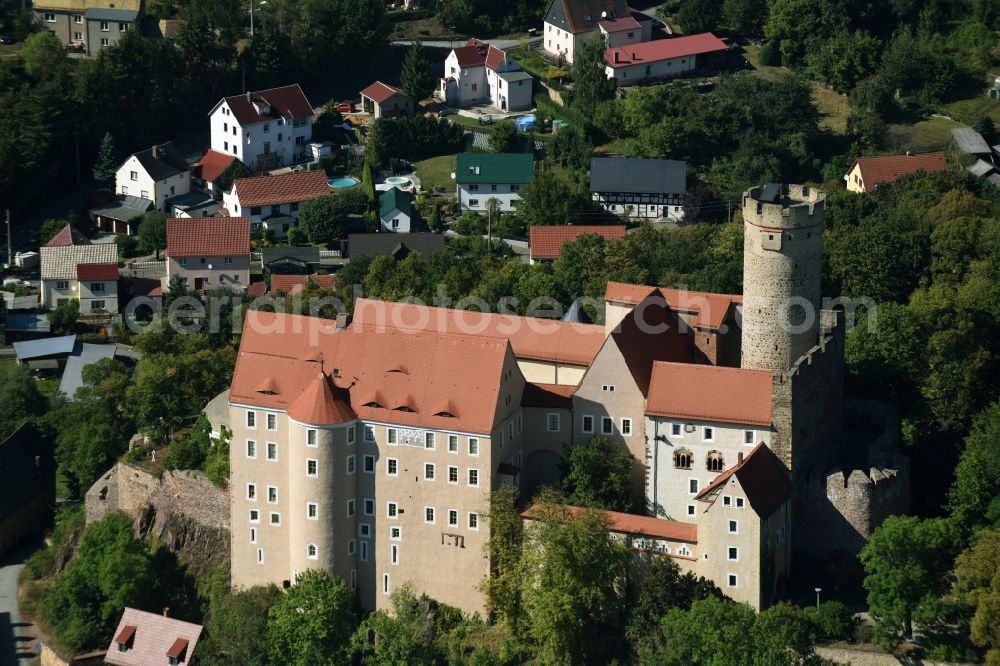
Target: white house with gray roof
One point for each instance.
(639, 188)
(156, 174)
(88, 25)
(74, 268)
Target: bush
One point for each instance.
(128, 246)
(832, 619)
(769, 53)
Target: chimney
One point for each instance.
(166, 612)
(343, 319)
(909, 154)
(248, 96)
(38, 461)
(739, 457)
(616, 54)
(156, 151)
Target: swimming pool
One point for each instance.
(342, 183)
(402, 182)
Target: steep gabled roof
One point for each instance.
(641, 176)
(162, 161)
(152, 638)
(97, 272)
(494, 168)
(293, 284)
(68, 236)
(284, 102)
(762, 477)
(394, 199)
(286, 188)
(710, 310)
(208, 236)
(385, 365)
(877, 171)
(59, 263)
(555, 396)
(710, 393)
(380, 92)
(547, 242)
(580, 16)
(647, 334)
(213, 163)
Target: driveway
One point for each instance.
(502, 44)
(17, 640)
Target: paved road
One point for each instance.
(503, 44)
(17, 644)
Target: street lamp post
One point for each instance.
(818, 590)
(251, 16)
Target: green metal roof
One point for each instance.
(394, 199)
(495, 168)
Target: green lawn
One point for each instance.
(930, 134)
(436, 172)
(967, 110)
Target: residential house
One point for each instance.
(155, 174)
(385, 101)
(631, 64)
(272, 202)
(398, 245)
(867, 173)
(290, 285)
(569, 23)
(643, 188)
(209, 252)
(121, 215)
(28, 479)
(480, 177)
(45, 353)
(395, 211)
(545, 243)
(479, 73)
(196, 203)
(143, 638)
(212, 165)
(266, 129)
(73, 267)
(90, 25)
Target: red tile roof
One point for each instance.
(547, 242)
(620, 24)
(320, 403)
(379, 92)
(68, 236)
(557, 396)
(257, 289)
(664, 49)
(578, 11)
(152, 638)
(285, 102)
(385, 365)
(710, 310)
(710, 393)
(762, 477)
(877, 171)
(293, 284)
(647, 334)
(213, 163)
(286, 188)
(208, 236)
(628, 523)
(477, 53)
(530, 337)
(97, 272)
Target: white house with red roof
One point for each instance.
(209, 252)
(273, 202)
(266, 129)
(212, 165)
(569, 23)
(868, 173)
(480, 73)
(74, 268)
(385, 101)
(630, 64)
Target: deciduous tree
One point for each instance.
(312, 622)
(599, 474)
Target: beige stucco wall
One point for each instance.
(236, 274)
(854, 181)
(549, 372)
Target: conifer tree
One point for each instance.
(416, 77)
(106, 163)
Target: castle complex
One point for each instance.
(369, 446)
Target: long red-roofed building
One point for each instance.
(545, 243)
(868, 173)
(661, 59)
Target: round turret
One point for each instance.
(782, 257)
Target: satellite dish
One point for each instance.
(453, 176)
(604, 15)
(210, 267)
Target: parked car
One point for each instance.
(344, 107)
(15, 282)
(7, 38)
(446, 112)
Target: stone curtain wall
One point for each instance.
(183, 509)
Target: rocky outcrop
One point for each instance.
(182, 509)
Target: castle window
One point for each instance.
(739, 502)
(369, 434)
(351, 547)
(675, 430)
(626, 427)
(369, 506)
(370, 464)
(392, 466)
(731, 580)
(350, 435)
(727, 500)
(552, 422)
(350, 464)
(311, 552)
(312, 467)
(692, 486)
(588, 424)
(748, 436)
(690, 509)
(311, 438)
(452, 443)
(708, 434)
(429, 440)
(312, 510)
(734, 527)
(390, 436)
(391, 509)
(715, 461)
(429, 471)
(607, 425)
(733, 554)
(683, 459)
(254, 516)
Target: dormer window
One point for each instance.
(403, 408)
(445, 414)
(177, 652)
(125, 637)
(372, 404)
(474, 170)
(588, 18)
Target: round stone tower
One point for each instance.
(782, 253)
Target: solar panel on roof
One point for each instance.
(771, 192)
